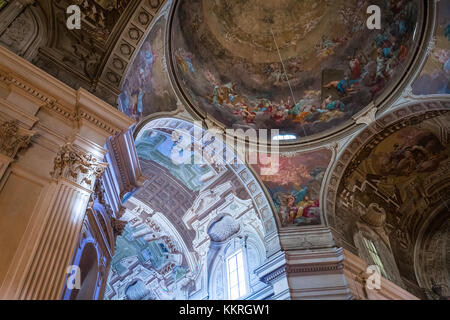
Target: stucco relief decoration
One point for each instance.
(80, 167)
(223, 229)
(13, 138)
(17, 33)
(101, 15)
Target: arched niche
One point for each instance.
(89, 272)
(431, 255)
(380, 255)
(252, 246)
(89, 263)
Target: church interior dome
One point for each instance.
(304, 67)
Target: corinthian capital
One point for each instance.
(13, 138)
(78, 166)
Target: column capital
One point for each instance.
(78, 166)
(13, 138)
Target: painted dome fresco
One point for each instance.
(304, 67)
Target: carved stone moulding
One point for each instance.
(78, 166)
(13, 138)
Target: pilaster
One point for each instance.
(52, 142)
(314, 265)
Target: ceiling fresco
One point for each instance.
(148, 262)
(149, 251)
(435, 76)
(101, 16)
(157, 146)
(146, 88)
(396, 187)
(408, 152)
(304, 67)
(295, 188)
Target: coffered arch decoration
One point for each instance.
(390, 179)
(146, 89)
(244, 175)
(183, 218)
(131, 43)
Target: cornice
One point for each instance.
(56, 97)
(124, 160)
(274, 275)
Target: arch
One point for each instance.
(105, 222)
(349, 157)
(88, 261)
(90, 258)
(176, 208)
(242, 172)
(385, 254)
(359, 178)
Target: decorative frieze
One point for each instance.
(321, 268)
(78, 166)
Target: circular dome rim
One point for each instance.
(414, 63)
